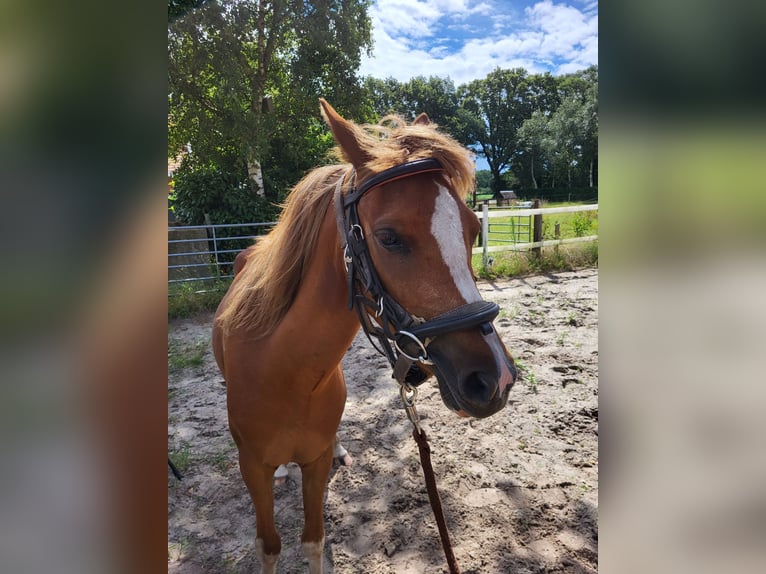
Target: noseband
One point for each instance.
(410, 335)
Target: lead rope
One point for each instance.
(409, 395)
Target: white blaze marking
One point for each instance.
(447, 229)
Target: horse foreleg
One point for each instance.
(259, 481)
(315, 477)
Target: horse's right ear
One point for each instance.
(422, 120)
(352, 139)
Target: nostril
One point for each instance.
(479, 388)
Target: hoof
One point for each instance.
(344, 460)
(280, 475)
(340, 454)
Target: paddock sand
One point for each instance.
(519, 489)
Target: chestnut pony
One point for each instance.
(389, 235)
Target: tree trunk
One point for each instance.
(256, 177)
(590, 174)
(532, 171)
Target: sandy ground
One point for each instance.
(519, 489)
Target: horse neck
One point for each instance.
(320, 314)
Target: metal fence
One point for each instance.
(205, 253)
(518, 229)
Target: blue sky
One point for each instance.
(466, 39)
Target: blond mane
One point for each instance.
(266, 287)
(392, 142)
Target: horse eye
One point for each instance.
(389, 239)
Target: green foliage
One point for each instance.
(483, 187)
(509, 180)
(295, 150)
(518, 263)
(582, 223)
(534, 130)
(570, 225)
(435, 96)
(559, 146)
(188, 300)
(245, 76)
(220, 191)
(483, 179)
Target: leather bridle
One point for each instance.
(402, 337)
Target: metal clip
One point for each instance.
(360, 235)
(347, 259)
(409, 396)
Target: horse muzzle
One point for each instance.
(474, 372)
(473, 368)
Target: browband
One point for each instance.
(392, 174)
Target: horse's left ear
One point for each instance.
(353, 140)
(422, 120)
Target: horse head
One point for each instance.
(407, 201)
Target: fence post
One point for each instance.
(484, 232)
(215, 249)
(537, 229)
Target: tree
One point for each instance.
(436, 96)
(238, 66)
(501, 102)
(534, 139)
(559, 142)
(382, 97)
(590, 124)
(483, 180)
(578, 122)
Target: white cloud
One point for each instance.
(416, 18)
(564, 27)
(410, 38)
(484, 9)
